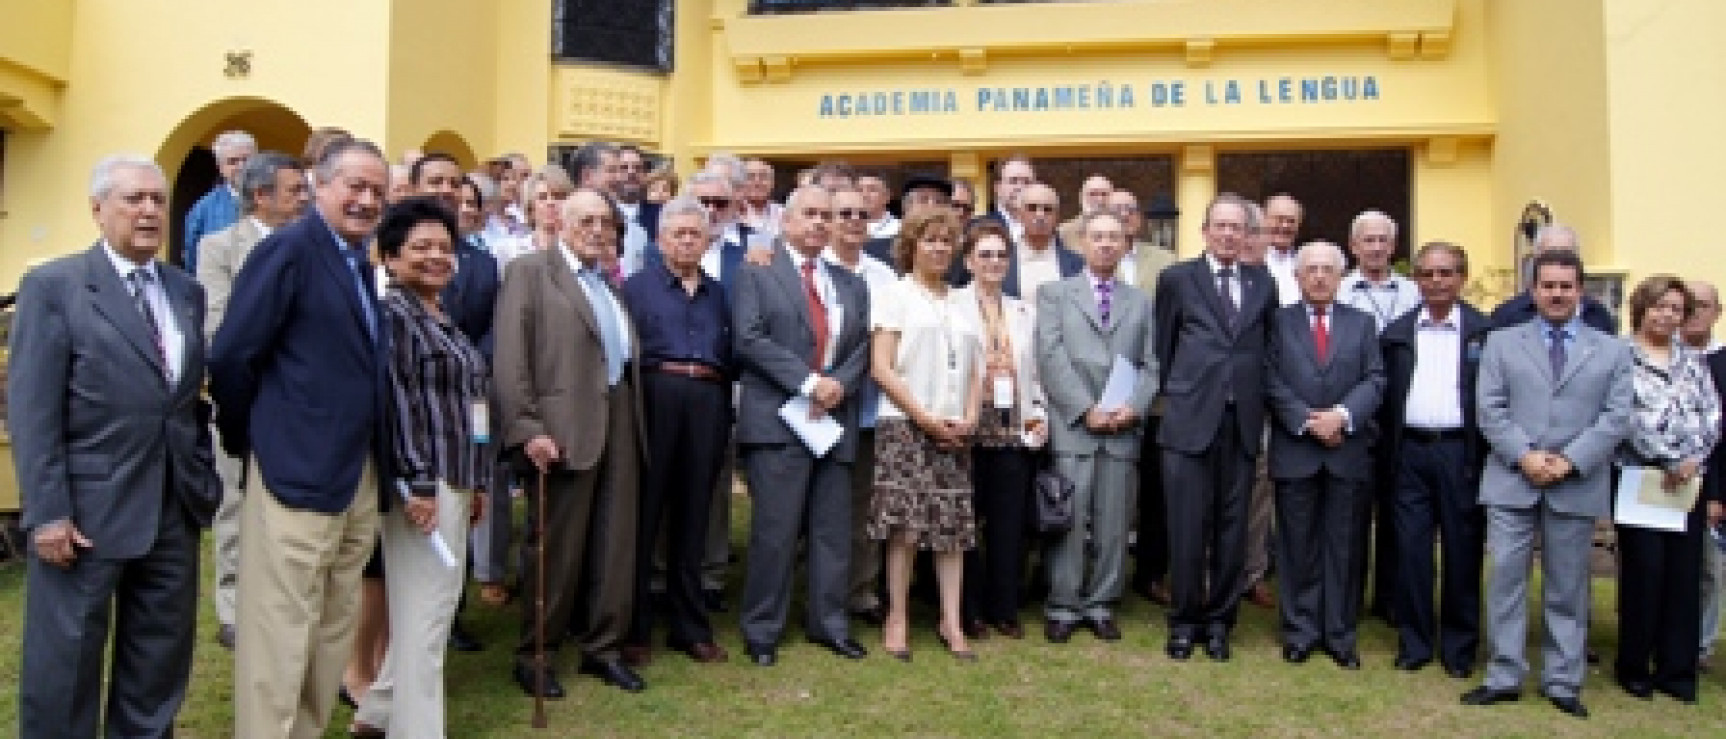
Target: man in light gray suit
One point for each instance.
(1084, 323)
(108, 440)
(273, 191)
(1324, 380)
(1555, 401)
(801, 330)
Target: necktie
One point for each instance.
(1320, 333)
(357, 263)
(1104, 290)
(139, 278)
(610, 327)
(1225, 285)
(1556, 351)
(817, 315)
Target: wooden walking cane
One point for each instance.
(539, 665)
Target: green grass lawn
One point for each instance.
(1017, 688)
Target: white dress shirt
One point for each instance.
(1282, 267)
(875, 273)
(886, 228)
(829, 297)
(173, 335)
(635, 239)
(1435, 392)
(1037, 267)
(1234, 277)
(1384, 301)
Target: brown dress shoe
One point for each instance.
(704, 652)
(494, 594)
(1260, 595)
(636, 655)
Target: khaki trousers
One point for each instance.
(298, 603)
(408, 697)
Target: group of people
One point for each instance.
(395, 353)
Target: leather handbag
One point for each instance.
(1054, 502)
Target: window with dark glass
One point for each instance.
(637, 33)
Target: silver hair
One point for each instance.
(1300, 210)
(731, 163)
(1255, 216)
(231, 140)
(1313, 250)
(707, 177)
(682, 205)
(332, 156)
(1552, 230)
(258, 176)
(797, 195)
(1370, 216)
(103, 176)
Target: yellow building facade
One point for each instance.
(1603, 110)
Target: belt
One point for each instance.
(691, 370)
(1431, 435)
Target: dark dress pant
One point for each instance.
(1435, 496)
(794, 492)
(995, 568)
(1318, 525)
(688, 420)
(1660, 604)
(1206, 496)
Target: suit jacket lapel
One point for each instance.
(335, 260)
(792, 283)
(1535, 343)
(557, 268)
(1080, 291)
(114, 301)
(1300, 324)
(179, 295)
(1207, 284)
(1582, 349)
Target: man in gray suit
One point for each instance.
(1555, 400)
(273, 191)
(801, 329)
(1324, 380)
(107, 433)
(1084, 323)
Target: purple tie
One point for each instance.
(1104, 289)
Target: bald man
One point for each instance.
(1093, 198)
(1521, 309)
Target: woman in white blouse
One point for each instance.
(1010, 428)
(925, 356)
(545, 192)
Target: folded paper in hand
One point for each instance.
(819, 434)
(1644, 501)
(439, 547)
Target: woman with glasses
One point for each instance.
(1675, 426)
(1010, 429)
(924, 358)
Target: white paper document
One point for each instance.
(1118, 391)
(438, 545)
(1635, 508)
(819, 434)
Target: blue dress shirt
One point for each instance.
(673, 325)
(218, 209)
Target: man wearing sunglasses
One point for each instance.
(1430, 455)
(1039, 257)
(220, 207)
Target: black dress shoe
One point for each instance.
(1571, 705)
(713, 600)
(531, 683)
(346, 697)
(1346, 660)
(847, 647)
(761, 656)
(1295, 654)
(1593, 656)
(1058, 632)
(1104, 628)
(1637, 689)
(1460, 672)
(615, 673)
(1217, 647)
(1485, 696)
(462, 641)
(1180, 648)
(1010, 629)
(225, 637)
(1410, 664)
(1682, 695)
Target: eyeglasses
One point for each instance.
(1426, 272)
(814, 214)
(715, 202)
(1040, 207)
(991, 253)
(595, 221)
(857, 214)
(967, 207)
(633, 167)
(1125, 210)
(234, 160)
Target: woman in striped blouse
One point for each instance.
(439, 384)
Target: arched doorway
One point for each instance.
(452, 143)
(186, 156)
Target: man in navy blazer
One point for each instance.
(1038, 257)
(297, 375)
